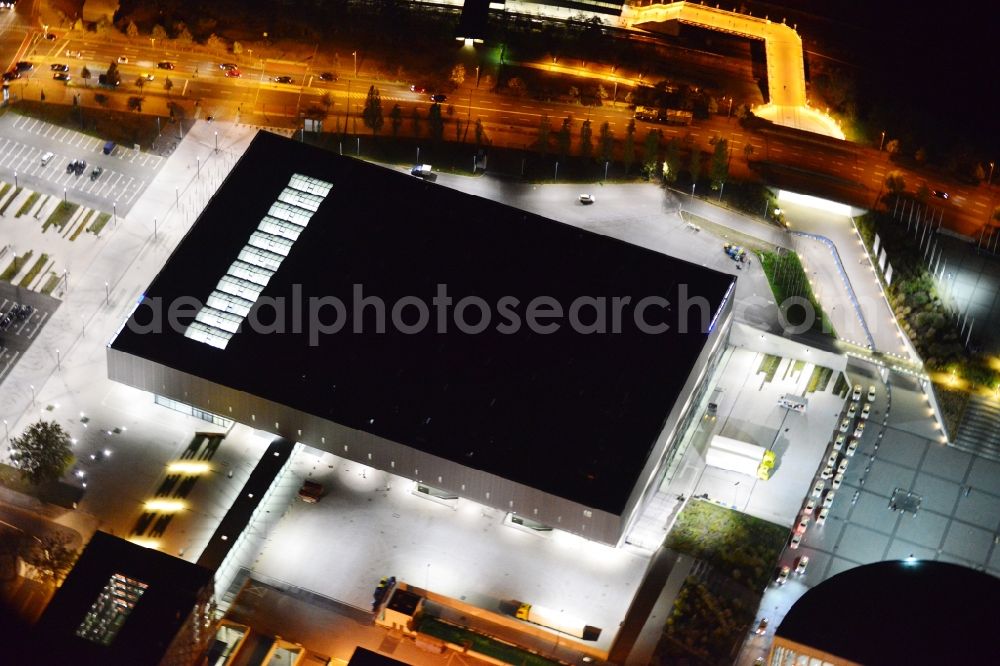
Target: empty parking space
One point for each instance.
(19, 326)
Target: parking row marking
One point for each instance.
(84, 141)
(25, 159)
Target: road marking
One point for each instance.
(38, 327)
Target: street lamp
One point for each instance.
(355, 54)
(15, 175)
(882, 142)
(989, 181)
(477, 76)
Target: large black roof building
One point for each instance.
(427, 387)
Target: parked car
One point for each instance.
(122, 60)
(73, 54)
(845, 425)
(783, 575)
(328, 76)
(857, 392)
(437, 98)
(838, 443)
(50, 36)
(940, 194)
(867, 410)
(233, 73)
(837, 480)
(852, 447)
(803, 525)
(418, 89)
(283, 79)
(96, 173)
(842, 467)
(852, 411)
(165, 65)
(147, 76)
(62, 76)
(827, 472)
(794, 543)
(800, 567)
(831, 459)
(818, 488)
(821, 518)
(828, 500)
(860, 430)
(12, 74)
(761, 627)
(587, 199)
(24, 66)
(809, 508)
(59, 67)
(871, 393)
(76, 166)
(47, 157)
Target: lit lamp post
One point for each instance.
(477, 76)
(355, 54)
(989, 181)
(881, 142)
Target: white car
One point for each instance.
(794, 543)
(803, 562)
(122, 60)
(871, 393)
(867, 410)
(809, 508)
(587, 199)
(860, 430)
(73, 54)
(831, 459)
(835, 484)
(838, 443)
(852, 411)
(821, 518)
(47, 157)
(845, 425)
(827, 472)
(851, 448)
(803, 525)
(842, 467)
(783, 575)
(857, 392)
(818, 488)
(828, 500)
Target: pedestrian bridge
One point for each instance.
(786, 81)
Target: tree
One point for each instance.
(713, 105)
(181, 33)
(12, 546)
(132, 30)
(396, 119)
(486, 82)
(140, 82)
(720, 164)
(168, 85)
(457, 74)
(607, 142)
(85, 74)
(372, 113)
(650, 152)
(216, 43)
(415, 121)
(574, 93)
(996, 214)
(112, 76)
(892, 146)
(748, 151)
(101, 99)
(52, 557)
(586, 140)
(563, 137)
(42, 453)
(672, 160)
(544, 130)
(628, 149)
(894, 182)
(435, 123)
(135, 104)
(694, 164)
(602, 93)
(237, 48)
(159, 32)
(517, 87)
(481, 137)
(326, 100)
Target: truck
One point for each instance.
(421, 171)
(552, 619)
(741, 457)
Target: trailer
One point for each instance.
(740, 457)
(552, 619)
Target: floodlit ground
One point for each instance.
(360, 531)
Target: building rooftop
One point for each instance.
(899, 612)
(572, 414)
(121, 604)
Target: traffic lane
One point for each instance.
(37, 526)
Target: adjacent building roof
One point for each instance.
(121, 604)
(899, 612)
(572, 414)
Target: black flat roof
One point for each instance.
(900, 612)
(572, 414)
(174, 587)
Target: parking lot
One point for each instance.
(126, 172)
(17, 336)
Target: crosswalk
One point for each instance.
(112, 185)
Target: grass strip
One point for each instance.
(35, 270)
(99, 223)
(61, 215)
(16, 264)
(10, 201)
(28, 204)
